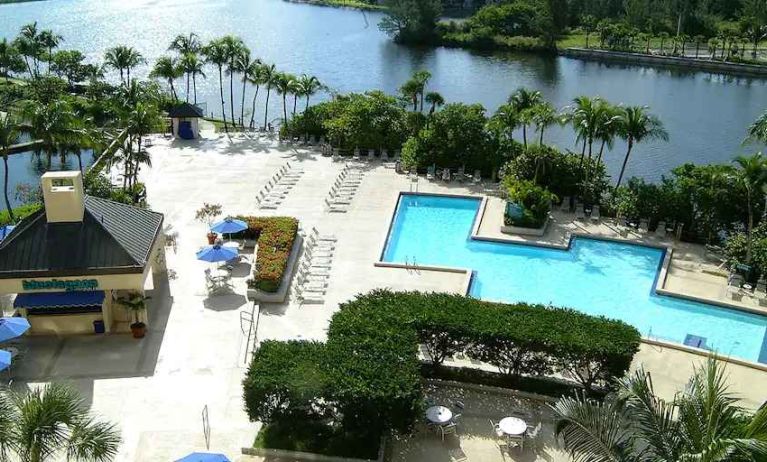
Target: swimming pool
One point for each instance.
(597, 277)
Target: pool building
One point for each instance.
(67, 266)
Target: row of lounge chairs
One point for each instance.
(344, 189)
(314, 270)
(445, 174)
(278, 186)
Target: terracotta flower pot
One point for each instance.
(138, 329)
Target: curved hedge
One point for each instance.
(275, 240)
(367, 374)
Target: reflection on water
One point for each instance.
(26, 167)
(706, 114)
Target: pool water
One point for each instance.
(596, 277)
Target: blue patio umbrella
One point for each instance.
(12, 327)
(5, 360)
(229, 226)
(217, 253)
(5, 231)
(204, 457)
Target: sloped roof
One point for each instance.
(184, 110)
(112, 238)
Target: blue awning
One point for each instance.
(59, 299)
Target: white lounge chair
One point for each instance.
(446, 174)
(430, 172)
(660, 230)
(595, 214)
(323, 237)
(565, 207)
(644, 226)
(477, 177)
(579, 213)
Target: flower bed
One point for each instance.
(275, 237)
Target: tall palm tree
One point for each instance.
(523, 101)
(245, 66)
(215, 53)
(504, 121)
(123, 58)
(283, 82)
(186, 46)
(702, 424)
(255, 76)
(53, 123)
(49, 40)
(132, 59)
(295, 90)
(269, 78)
(608, 123)
(435, 99)
(235, 48)
(421, 78)
(636, 125)
(167, 68)
(544, 116)
(310, 85)
(758, 130)
(53, 421)
(9, 135)
(410, 91)
(28, 44)
(192, 66)
(752, 176)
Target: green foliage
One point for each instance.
(560, 172)
(736, 248)
(534, 201)
(366, 377)
(19, 213)
(455, 137)
(369, 120)
(411, 21)
(275, 241)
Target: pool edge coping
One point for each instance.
(661, 276)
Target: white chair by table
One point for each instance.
(514, 428)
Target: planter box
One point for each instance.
(287, 278)
(538, 232)
(283, 454)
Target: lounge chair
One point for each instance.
(371, 154)
(644, 226)
(565, 207)
(306, 296)
(430, 171)
(477, 177)
(446, 174)
(660, 230)
(323, 237)
(595, 214)
(384, 155)
(579, 213)
(460, 175)
(317, 244)
(356, 154)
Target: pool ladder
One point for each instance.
(408, 265)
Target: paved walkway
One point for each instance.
(194, 354)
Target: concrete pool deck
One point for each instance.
(194, 355)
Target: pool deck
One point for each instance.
(195, 354)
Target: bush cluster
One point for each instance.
(275, 240)
(528, 204)
(368, 376)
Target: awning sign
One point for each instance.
(58, 284)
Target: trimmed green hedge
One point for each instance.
(368, 375)
(275, 240)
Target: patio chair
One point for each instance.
(460, 175)
(430, 172)
(460, 405)
(595, 214)
(477, 177)
(447, 429)
(356, 154)
(457, 455)
(446, 174)
(565, 207)
(644, 226)
(371, 154)
(660, 230)
(497, 429)
(579, 213)
(384, 155)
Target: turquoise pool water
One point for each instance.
(596, 277)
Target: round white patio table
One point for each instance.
(439, 414)
(513, 426)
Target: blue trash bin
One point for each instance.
(98, 326)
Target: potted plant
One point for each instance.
(136, 304)
(207, 214)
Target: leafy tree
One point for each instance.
(589, 25)
(9, 135)
(10, 59)
(52, 421)
(534, 201)
(69, 64)
(703, 423)
(411, 20)
(751, 174)
(637, 125)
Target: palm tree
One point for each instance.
(10, 59)
(635, 126)
(702, 424)
(269, 74)
(758, 130)
(410, 91)
(216, 53)
(435, 99)
(310, 85)
(132, 59)
(543, 116)
(167, 68)
(187, 46)
(608, 123)
(49, 40)
(752, 176)
(9, 135)
(255, 76)
(245, 66)
(192, 66)
(421, 78)
(50, 421)
(235, 48)
(52, 123)
(295, 90)
(584, 117)
(123, 59)
(504, 121)
(698, 39)
(28, 45)
(663, 37)
(283, 82)
(523, 100)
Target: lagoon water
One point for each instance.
(706, 114)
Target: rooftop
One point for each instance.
(185, 110)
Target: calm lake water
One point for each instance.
(706, 114)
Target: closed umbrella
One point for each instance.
(217, 253)
(5, 360)
(11, 328)
(204, 457)
(229, 226)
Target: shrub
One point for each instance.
(533, 203)
(19, 213)
(275, 240)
